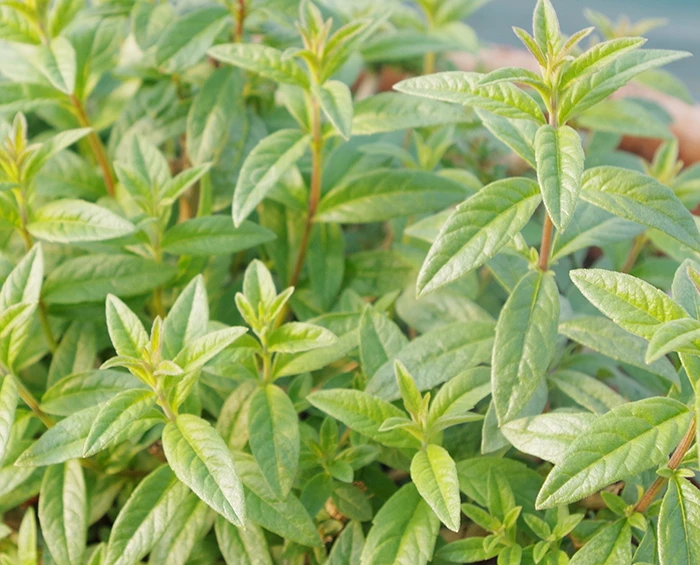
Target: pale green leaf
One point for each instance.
(610, 546)
(682, 336)
(640, 198)
(547, 436)
(185, 41)
(631, 303)
(620, 444)
(295, 337)
(57, 62)
(126, 331)
(477, 230)
(63, 512)
(392, 111)
(202, 460)
(197, 353)
(145, 517)
(263, 167)
(437, 356)
(605, 337)
(598, 56)
(434, 473)
(266, 61)
(72, 221)
(90, 278)
(274, 438)
(242, 546)
(679, 524)
(335, 99)
(214, 235)
(8, 405)
(560, 159)
(403, 531)
(363, 413)
(115, 416)
(384, 194)
(504, 99)
(525, 343)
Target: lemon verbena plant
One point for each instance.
(256, 310)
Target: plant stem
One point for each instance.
(28, 244)
(165, 405)
(315, 196)
(28, 398)
(548, 227)
(96, 145)
(673, 463)
(546, 246)
(240, 19)
(636, 249)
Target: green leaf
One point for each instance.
(352, 502)
(214, 235)
(620, 444)
(274, 438)
(460, 394)
(605, 337)
(477, 230)
(591, 89)
(295, 337)
(411, 396)
(547, 436)
(586, 391)
(610, 546)
(242, 546)
(679, 524)
(212, 111)
(287, 518)
(384, 194)
(335, 99)
(185, 41)
(232, 424)
(363, 413)
(202, 460)
(90, 278)
(191, 522)
(519, 135)
(434, 473)
(26, 539)
(8, 405)
(633, 304)
(63, 512)
(679, 335)
(187, 319)
(437, 356)
(525, 342)
(467, 550)
(560, 161)
(56, 61)
(78, 391)
(197, 353)
(347, 547)
(593, 227)
(74, 221)
(174, 187)
(393, 111)
(115, 416)
(545, 27)
(640, 198)
(62, 442)
(504, 99)
(403, 531)
(624, 117)
(264, 166)
(598, 56)
(266, 61)
(23, 284)
(126, 331)
(145, 517)
(380, 340)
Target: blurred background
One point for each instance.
(493, 23)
